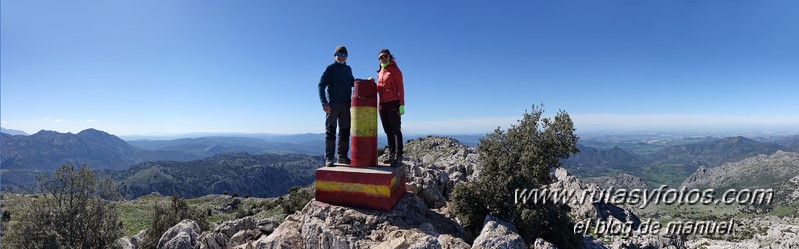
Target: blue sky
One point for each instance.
(166, 67)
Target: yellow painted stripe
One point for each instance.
(369, 189)
(364, 121)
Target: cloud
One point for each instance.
(59, 120)
(3, 122)
(90, 120)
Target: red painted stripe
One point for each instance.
(364, 151)
(355, 177)
(369, 101)
(360, 199)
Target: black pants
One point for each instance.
(389, 116)
(337, 116)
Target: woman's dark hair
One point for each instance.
(390, 56)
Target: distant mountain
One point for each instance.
(12, 132)
(620, 180)
(753, 172)
(209, 146)
(308, 143)
(263, 175)
(48, 150)
(716, 152)
(596, 162)
(25, 157)
(791, 143)
(667, 165)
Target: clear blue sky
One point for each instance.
(161, 67)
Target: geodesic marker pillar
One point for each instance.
(363, 132)
(366, 187)
(366, 184)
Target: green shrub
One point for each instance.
(520, 158)
(164, 217)
(296, 200)
(69, 213)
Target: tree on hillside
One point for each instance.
(520, 158)
(72, 211)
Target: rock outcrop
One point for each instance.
(769, 232)
(435, 165)
(181, 236)
(497, 233)
(421, 218)
(124, 242)
(137, 239)
(751, 172)
(411, 224)
(237, 233)
(609, 213)
(620, 180)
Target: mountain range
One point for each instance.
(209, 146)
(668, 164)
(48, 150)
(262, 175)
(12, 132)
(25, 157)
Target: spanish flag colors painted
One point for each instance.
(363, 132)
(367, 187)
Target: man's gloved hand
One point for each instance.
(402, 110)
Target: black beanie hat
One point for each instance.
(384, 51)
(340, 49)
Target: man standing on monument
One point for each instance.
(338, 81)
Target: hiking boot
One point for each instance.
(329, 163)
(344, 160)
(390, 159)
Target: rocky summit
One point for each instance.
(421, 218)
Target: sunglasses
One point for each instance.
(382, 56)
(341, 54)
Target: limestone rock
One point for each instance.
(267, 226)
(542, 244)
(411, 224)
(212, 240)
(237, 233)
(497, 233)
(137, 239)
(181, 236)
(230, 228)
(435, 165)
(124, 242)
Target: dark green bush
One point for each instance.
(70, 212)
(520, 158)
(164, 217)
(296, 200)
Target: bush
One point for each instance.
(164, 217)
(297, 198)
(6, 216)
(521, 157)
(69, 213)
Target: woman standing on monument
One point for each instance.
(392, 103)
